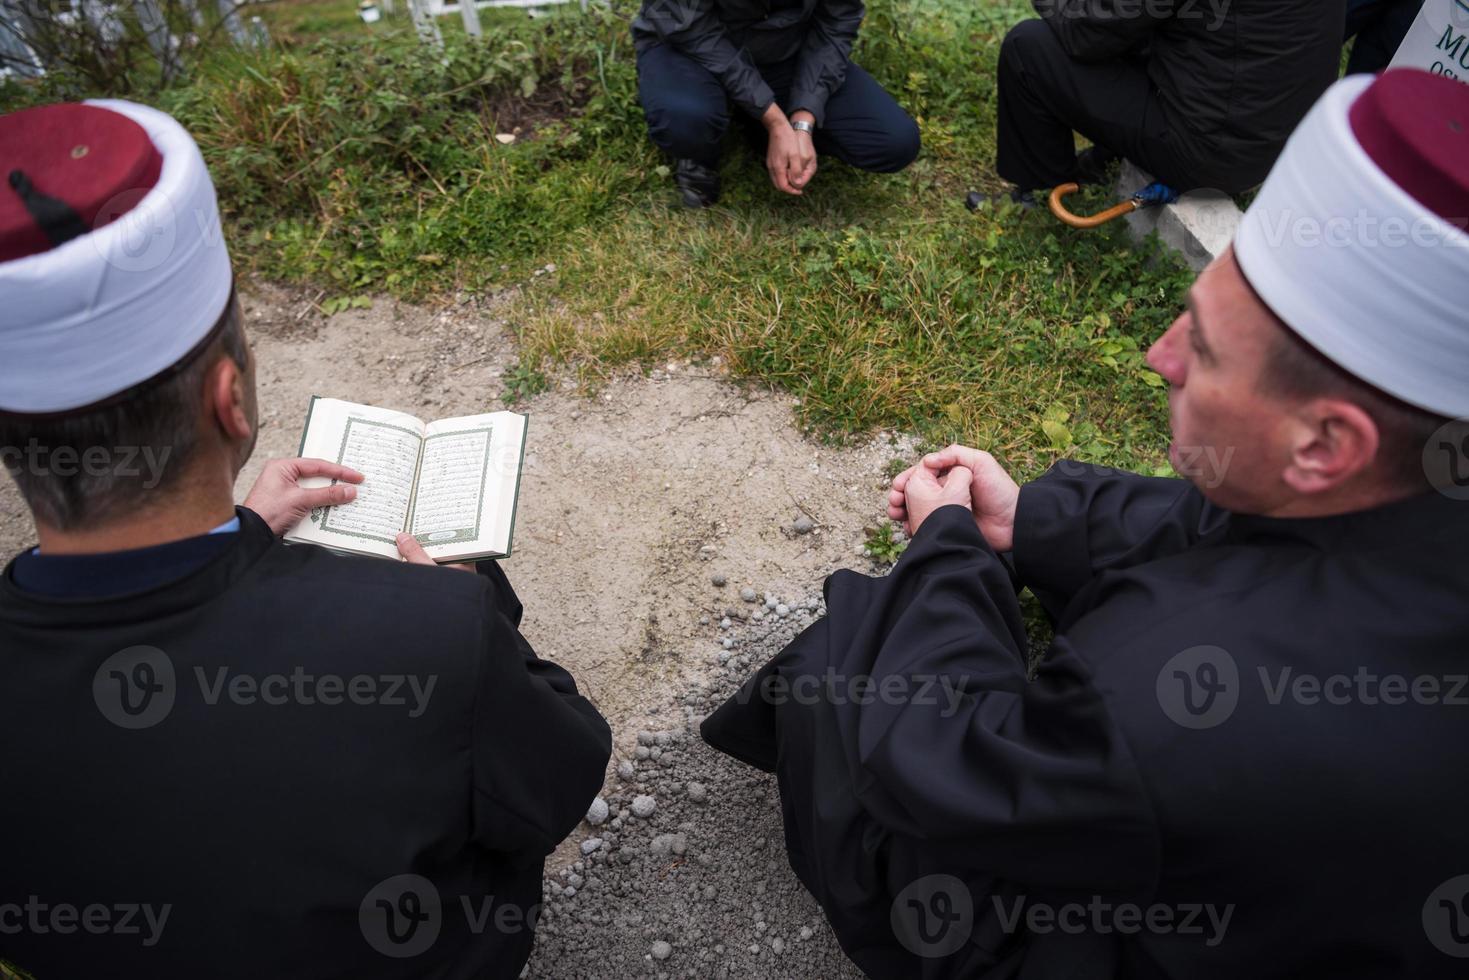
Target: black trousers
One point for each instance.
(688, 113)
(1379, 27)
(1044, 95)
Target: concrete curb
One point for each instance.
(1199, 226)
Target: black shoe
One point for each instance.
(698, 184)
(1093, 164)
(1024, 200)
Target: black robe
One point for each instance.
(1161, 758)
(273, 831)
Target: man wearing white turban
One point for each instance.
(1243, 753)
(224, 756)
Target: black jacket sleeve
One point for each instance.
(694, 27)
(1078, 520)
(822, 65)
(907, 742)
(1096, 30)
(540, 748)
(1028, 779)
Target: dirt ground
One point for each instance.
(635, 497)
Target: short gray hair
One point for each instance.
(101, 463)
(1295, 369)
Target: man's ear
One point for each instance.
(1332, 442)
(224, 388)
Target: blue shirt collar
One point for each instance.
(116, 573)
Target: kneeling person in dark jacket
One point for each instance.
(1198, 93)
(785, 63)
(250, 759)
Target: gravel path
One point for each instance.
(701, 887)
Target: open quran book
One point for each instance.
(451, 483)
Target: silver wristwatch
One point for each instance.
(803, 126)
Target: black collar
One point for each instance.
(223, 564)
(1414, 521)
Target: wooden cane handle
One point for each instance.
(1060, 210)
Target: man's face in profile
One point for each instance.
(1227, 433)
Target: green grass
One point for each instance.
(355, 159)
(293, 23)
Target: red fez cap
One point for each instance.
(1415, 127)
(60, 165)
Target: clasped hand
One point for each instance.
(958, 475)
(790, 154)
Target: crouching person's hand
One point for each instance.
(926, 491)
